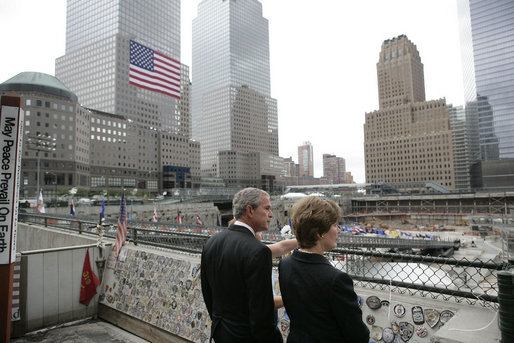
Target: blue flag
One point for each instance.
(130, 215)
(102, 215)
(217, 220)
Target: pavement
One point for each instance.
(90, 331)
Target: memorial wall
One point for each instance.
(163, 289)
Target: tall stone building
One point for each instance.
(408, 141)
(234, 116)
(306, 160)
(487, 38)
(103, 40)
(334, 169)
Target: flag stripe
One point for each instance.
(140, 78)
(167, 69)
(121, 232)
(158, 75)
(168, 60)
(153, 71)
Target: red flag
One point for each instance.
(89, 282)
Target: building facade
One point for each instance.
(334, 169)
(306, 160)
(56, 134)
(461, 147)
(97, 64)
(67, 145)
(487, 38)
(232, 109)
(408, 141)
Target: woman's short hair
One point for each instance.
(248, 196)
(312, 216)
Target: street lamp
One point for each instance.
(40, 143)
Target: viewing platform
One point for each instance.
(153, 290)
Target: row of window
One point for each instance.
(48, 104)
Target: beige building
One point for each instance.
(306, 160)
(349, 177)
(408, 141)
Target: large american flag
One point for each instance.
(152, 70)
(121, 232)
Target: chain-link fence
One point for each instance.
(472, 281)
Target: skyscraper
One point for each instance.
(408, 141)
(487, 39)
(306, 159)
(107, 42)
(232, 109)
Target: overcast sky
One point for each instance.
(323, 57)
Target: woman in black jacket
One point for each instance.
(319, 299)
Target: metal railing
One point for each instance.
(473, 281)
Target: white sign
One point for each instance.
(11, 138)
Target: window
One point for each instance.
(115, 181)
(97, 181)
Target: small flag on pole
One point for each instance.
(89, 282)
(217, 220)
(198, 221)
(154, 214)
(121, 232)
(179, 219)
(40, 203)
(72, 207)
(102, 214)
(130, 215)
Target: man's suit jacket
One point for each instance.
(320, 301)
(237, 288)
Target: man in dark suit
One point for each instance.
(236, 275)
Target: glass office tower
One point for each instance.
(487, 44)
(96, 68)
(232, 110)
(97, 57)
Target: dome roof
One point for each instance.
(38, 82)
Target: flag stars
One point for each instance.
(141, 56)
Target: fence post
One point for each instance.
(46, 222)
(506, 301)
(134, 235)
(80, 227)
